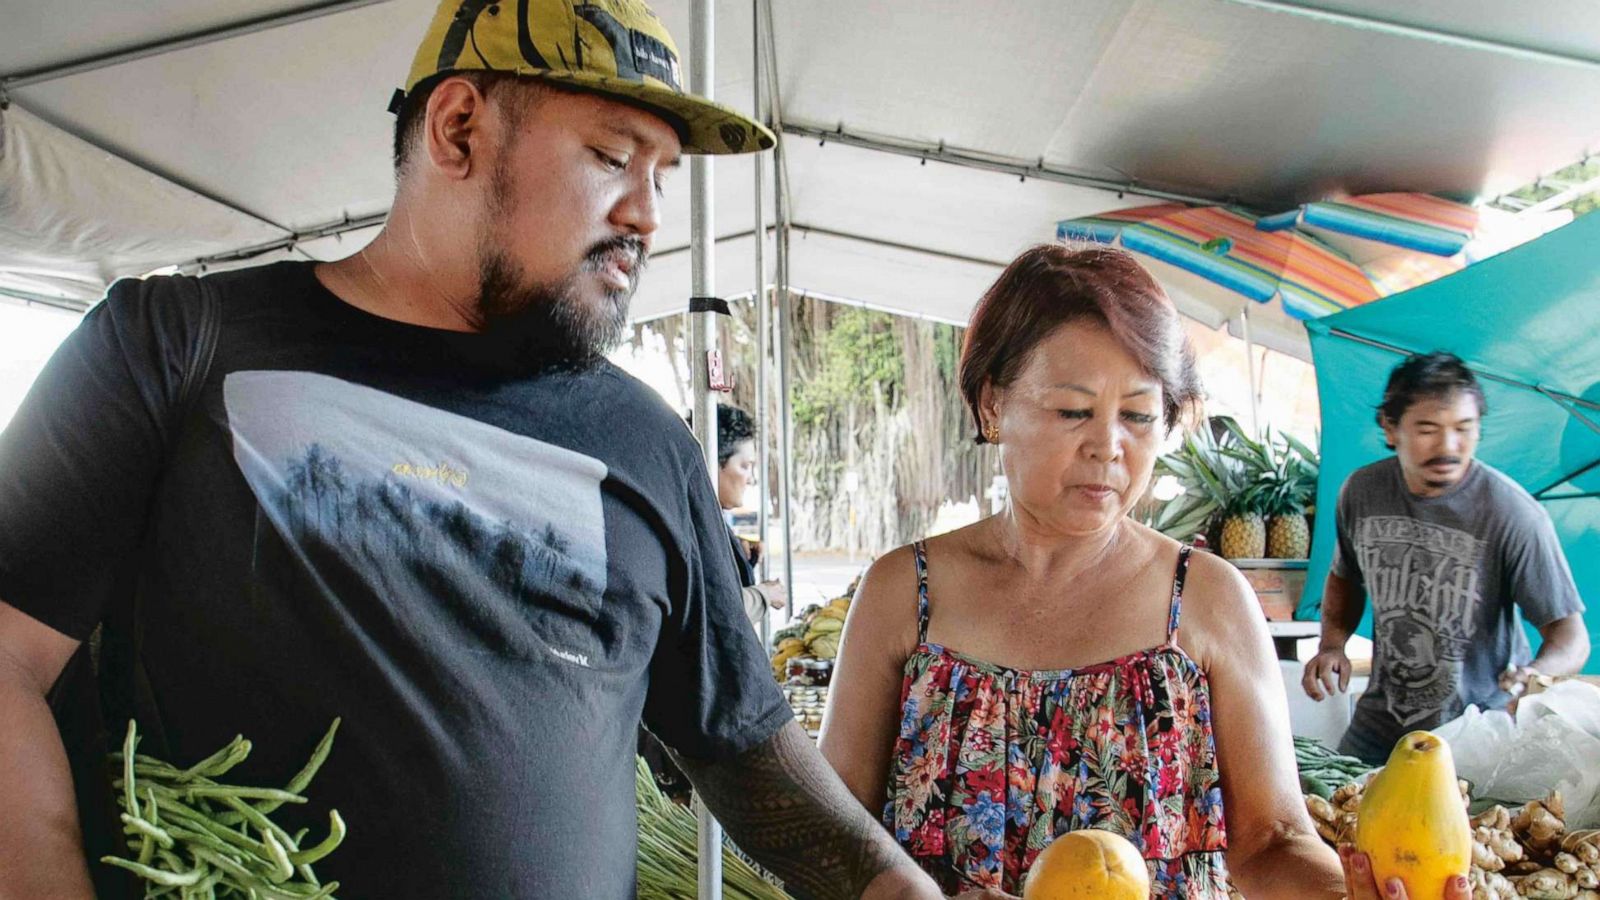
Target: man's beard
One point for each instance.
(550, 324)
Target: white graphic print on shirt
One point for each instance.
(1425, 586)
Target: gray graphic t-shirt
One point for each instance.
(1446, 577)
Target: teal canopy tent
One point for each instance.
(1528, 323)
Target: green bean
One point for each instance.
(305, 868)
(250, 793)
(219, 762)
(129, 801)
(221, 839)
(335, 837)
(149, 830)
(255, 885)
(152, 874)
(262, 824)
(302, 779)
(284, 869)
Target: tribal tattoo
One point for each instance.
(783, 805)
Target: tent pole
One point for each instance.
(781, 338)
(1560, 397)
(1250, 370)
(763, 306)
(1432, 35)
(702, 343)
(14, 80)
(1540, 494)
(938, 151)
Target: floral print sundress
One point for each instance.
(991, 762)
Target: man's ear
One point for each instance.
(1390, 430)
(453, 130)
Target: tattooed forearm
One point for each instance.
(782, 804)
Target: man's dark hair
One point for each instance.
(413, 110)
(734, 427)
(1423, 376)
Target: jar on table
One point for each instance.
(810, 672)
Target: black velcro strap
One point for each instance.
(709, 304)
(396, 100)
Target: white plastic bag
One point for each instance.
(1553, 743)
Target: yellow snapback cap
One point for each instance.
(611, 47)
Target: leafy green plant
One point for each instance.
(1209, 478)
(1235, 475)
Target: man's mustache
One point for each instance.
(626, 243)
(1444, 461)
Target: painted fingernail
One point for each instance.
(1461, 882)
(1393, 887)
(1360, 862)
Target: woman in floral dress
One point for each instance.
(1059, 666)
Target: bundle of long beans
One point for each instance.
(194, 835)
(668, 863)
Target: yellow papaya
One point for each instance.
(1411, 822)
(1088, 863)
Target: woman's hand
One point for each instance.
(984, 894)
(1359, 880)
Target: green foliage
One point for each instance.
(1549, 185)
(1209, 478)
(856, 351)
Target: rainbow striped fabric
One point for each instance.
(1227, 247)
(1413, 221)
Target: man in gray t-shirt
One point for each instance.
(1449, 550)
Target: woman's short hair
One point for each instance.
(1051, 285)
(734, 427)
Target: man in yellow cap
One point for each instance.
(405, 489)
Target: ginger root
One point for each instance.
(1539, 827)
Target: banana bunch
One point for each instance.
(815, 635)
(787, 649)
(822, 633)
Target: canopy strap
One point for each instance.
(709, 304)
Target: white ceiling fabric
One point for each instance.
(220, 149)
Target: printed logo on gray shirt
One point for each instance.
(1424, 582)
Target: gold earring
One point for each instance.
(991, 433)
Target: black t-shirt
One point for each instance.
(490, 574)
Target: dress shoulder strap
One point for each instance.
(1177, 592)
(919, 549)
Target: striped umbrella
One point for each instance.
(1225, 246)
(1418, 222)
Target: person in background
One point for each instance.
(1058, 666)
(736, 472)
(1454, 555)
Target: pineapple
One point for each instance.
(1288, 536)
(1244, 526)
(1285, 493)
(1244, 536)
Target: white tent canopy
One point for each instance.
(277, 136)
